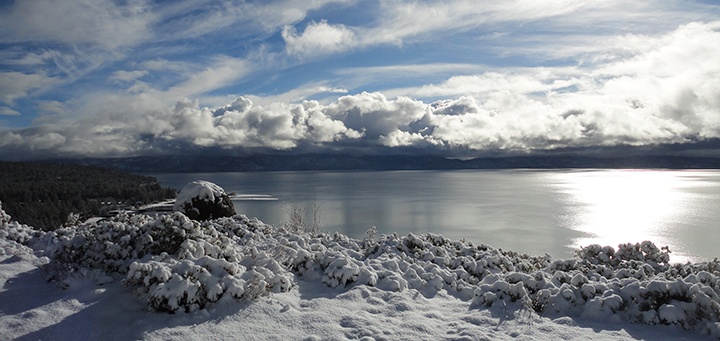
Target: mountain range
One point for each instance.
(344, 162)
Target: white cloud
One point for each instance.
(44, 140)
(551, 29)
(18, 57)
(635, 89)
(69, 40)
(399, 21)
(516, 81)
(382, 76)
(318, 38)
(689, 49)
(8, 112)
(17, 84)
(188, 81)
(183, 20)
(11, 139)
(412, 70)
(375, 115)
(299, 94)
(165, 65)
(122, 76)
(99, 22)
(222, 72)
(398, 138)
(409, 19)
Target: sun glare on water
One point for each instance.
(626, 206)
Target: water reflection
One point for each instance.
(530, 211)
(621, 206)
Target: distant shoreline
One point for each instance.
(344, 162)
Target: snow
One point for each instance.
(205, 190)
(172, 278)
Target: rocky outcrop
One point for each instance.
(204, 200)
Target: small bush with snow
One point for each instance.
(14, 231)
(177, 264)
(4, 217)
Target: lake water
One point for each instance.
(529, 211)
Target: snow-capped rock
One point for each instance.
(203, 200)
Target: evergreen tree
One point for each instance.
(44, 194)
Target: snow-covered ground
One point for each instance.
(164, 278)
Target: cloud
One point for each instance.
(19, 57)
(113, 24)
(639, 89)
(8, 112)
(460, 127)
(383, 77)
(184, 21)
(183, 128)
(668, 92)
(223, 71)
(17, 84)
(14, 143)
(187, 79)
(412, 70)
(398, 22)
(318, 38)
(538, 30)
(99, 22)
(299, 94)
(136, 97)
(401, 20)
(77, 42)
(48, 43)
(375, 115)
(526, 81)
(122, 76)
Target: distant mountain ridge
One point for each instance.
(343, 162)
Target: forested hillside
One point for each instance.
(313, 162)
(44, 194)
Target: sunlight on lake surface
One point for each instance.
(675, 208)
(530, 211)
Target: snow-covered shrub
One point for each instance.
(15, 237)
(14, 231)
(339, 271)
(73, 219)
(597, 254)
(172, 285)
(207, 265)
(177, 264)
(644, 252)
(4, 217)
(636, 283)
(107, 245)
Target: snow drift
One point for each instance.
(178, 265)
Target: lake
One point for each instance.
(529, 211)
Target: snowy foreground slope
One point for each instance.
(137, 277)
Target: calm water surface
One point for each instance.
(530, 211)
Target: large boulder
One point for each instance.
(203, 200)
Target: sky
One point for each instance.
(97, 78)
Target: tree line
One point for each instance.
(43, 195)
